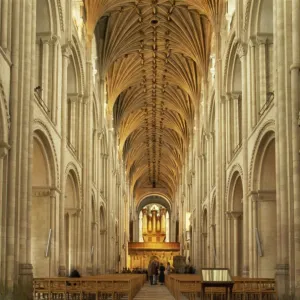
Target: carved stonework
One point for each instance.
(241, 50)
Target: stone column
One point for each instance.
(254, 109)
(295, 69)
(282, 268)
(228, 128)
(79, 128)
(261, 41)
(94, 248)
(12, 170)
(236, 118)
(242, 52)
(204, 250)
(54, 88)
(236, 217)
(4, 24)
(73, 100)
(30, 129)
(102, 251)
(4, 147)
(25, 174)
(45, 70)
(65, 62)
(53, 226)
(87, 153)
(228, 255)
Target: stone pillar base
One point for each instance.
(25, 282)
(62, 271)
(282, 281)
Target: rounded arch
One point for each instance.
(236, 171)
(72, 180)
(235, 193)
(41, 133)
(264, 167)
(265, 136)
(49, 18)
(259, 17)
(42, 174)
(154, 198)
(75, 70)
(263, 185)
(232, 71)
(232, 46)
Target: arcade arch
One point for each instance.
(264, 206)
(235, 223)
(44, 207)
(72, 221)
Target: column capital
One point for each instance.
(252, 41)
(263, 195)
(228, 215)
(236, 214)
(55, 39)
(66, 50)
(45, 38)
(73, 211)
(236, 96)
(263, 39)
(241, 49)
(72, 97)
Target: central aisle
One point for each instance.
(156, 292)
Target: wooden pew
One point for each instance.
(190, 286)
(113, 286)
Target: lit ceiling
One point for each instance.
(154, 55)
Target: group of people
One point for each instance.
(156, 272)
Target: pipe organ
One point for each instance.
(154, 224)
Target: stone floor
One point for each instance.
(157, 292)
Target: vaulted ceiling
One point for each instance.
(153, 54)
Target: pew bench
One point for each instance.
(86, 288)
(243, 288)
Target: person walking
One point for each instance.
(162, 274)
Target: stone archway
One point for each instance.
(235, 225)
(72, 215)
(43, 208)
(264, 208)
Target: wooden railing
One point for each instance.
(244, 288)
(112, 286)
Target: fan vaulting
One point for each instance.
(154, 55)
